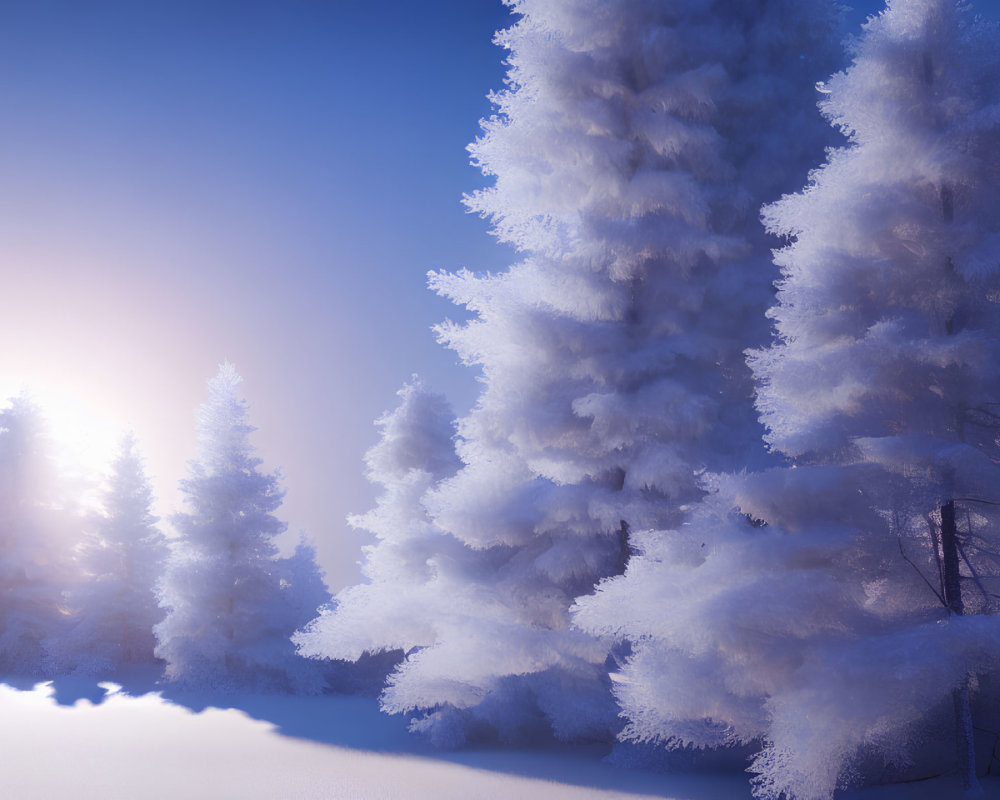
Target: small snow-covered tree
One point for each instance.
(37, 534)
(813, 608)
(631, 152)
(232, 604)
(412, 564)
(114, 606)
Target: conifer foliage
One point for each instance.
(114, 605)
(37, 536)
(812, 609)
(889, 346)
(232, 603)
(411, 558)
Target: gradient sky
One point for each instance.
(265, 181)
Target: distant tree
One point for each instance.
(37, 535)
(824, 609)
(114, 605)
(232, 604)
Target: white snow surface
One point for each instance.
(77, 739)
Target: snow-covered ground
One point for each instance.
(73, 739)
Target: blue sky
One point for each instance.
(187, 181)
(268, 182)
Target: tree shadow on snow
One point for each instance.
(68, 690)
(356, 723)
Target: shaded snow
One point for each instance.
(77, 740)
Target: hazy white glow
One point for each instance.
(84, 439)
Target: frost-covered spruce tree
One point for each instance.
(37, 534)
(114, 607)
(232, 604)
(415, 573)
(818, 609)
(632, 150)
(888, 317)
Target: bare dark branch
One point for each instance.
(976, 500)
(923, 577)
(932, 532)
(975, 575)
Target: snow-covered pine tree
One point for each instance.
(888, 312)
(831, 634)
(37, 534)
(632, 150)
(232, 604)
(114, 605)
(415, 573)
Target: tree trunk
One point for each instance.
(964, 733)
(949, 557)
(624, 550)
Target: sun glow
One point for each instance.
(83, 440)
